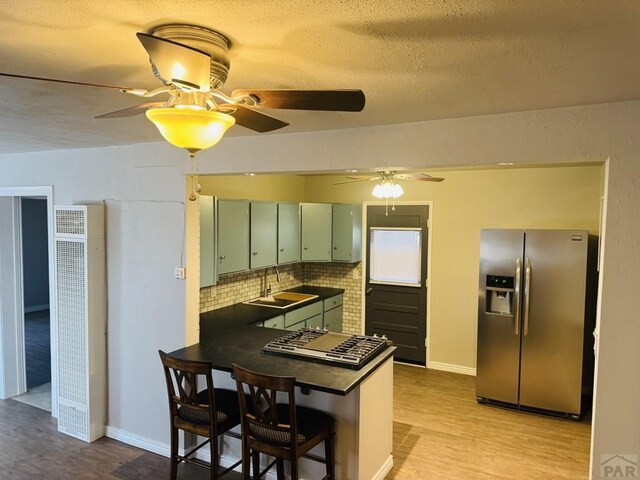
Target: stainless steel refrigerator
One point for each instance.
(536, 314)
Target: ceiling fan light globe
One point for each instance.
(387, 189)
(397, 191)
(378, 191)
(190, 128)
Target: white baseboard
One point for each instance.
(36, 308)
(447, 367)
(225, 460)
(384, 469)
(137, 441)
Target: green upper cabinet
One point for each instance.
(233, 236)
(288, 233)
(347, 233)
(316, 232)
(208, 262)
(264, 234)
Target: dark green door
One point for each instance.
(396, 272)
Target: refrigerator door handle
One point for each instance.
(527, 294)
(516, 293)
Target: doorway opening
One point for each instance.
(28, 326)
(35, 281)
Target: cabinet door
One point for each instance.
(333, 319)
(288, 233)
(296, 326)
(302, 314)
(316, 232)
(347, 233)
(264, 234)
(276, 322)
(314, 322)
(208, 264)
(233, 236)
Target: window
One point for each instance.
(394, 256)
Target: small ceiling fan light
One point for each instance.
(398, 191)
(387, 189)
(378, 191)
(189, 128)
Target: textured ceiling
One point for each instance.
(414, 60)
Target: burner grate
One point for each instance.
(351, 351)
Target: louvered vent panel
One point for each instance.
(72, 361)
(70, 222)
(81, 315)
(73, 420)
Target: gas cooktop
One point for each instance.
(351, 351)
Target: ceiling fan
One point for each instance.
(387, 186)
(192, 64)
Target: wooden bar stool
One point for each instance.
(281, 430)
(208, 413)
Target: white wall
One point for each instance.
(143, 190)
(592, 133)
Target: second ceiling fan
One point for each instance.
(192, 64)
(387, 181)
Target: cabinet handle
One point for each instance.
(222, 257)
(335, 248)
(282, 249)
(306, 248)
(255, 253)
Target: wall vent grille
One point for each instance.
(71, 222)
(81, 311)
(71, 281)
(72, 420)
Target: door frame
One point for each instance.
(17, 369)
(365, 246)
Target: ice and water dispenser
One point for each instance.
(499, 294)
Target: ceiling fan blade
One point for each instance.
(178, 64)
(354, 180)
(254, 120)
(330, 100)
(70, 82)
(131, 111)
(423, 177)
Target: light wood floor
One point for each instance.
(441, 432)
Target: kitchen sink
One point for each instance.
(281, 300)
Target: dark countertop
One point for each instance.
(244, 314)
(227, 336)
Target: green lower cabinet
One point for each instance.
(276, 322)
(314, 322)
(333, 319)
(301, 315)
(296, 326)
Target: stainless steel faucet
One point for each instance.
(267, 288)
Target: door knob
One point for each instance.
(368, 291)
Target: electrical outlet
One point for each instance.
(180, 273)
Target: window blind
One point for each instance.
(395, 255)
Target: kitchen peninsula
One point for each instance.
(361, 400)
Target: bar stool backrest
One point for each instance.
(261, 418)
